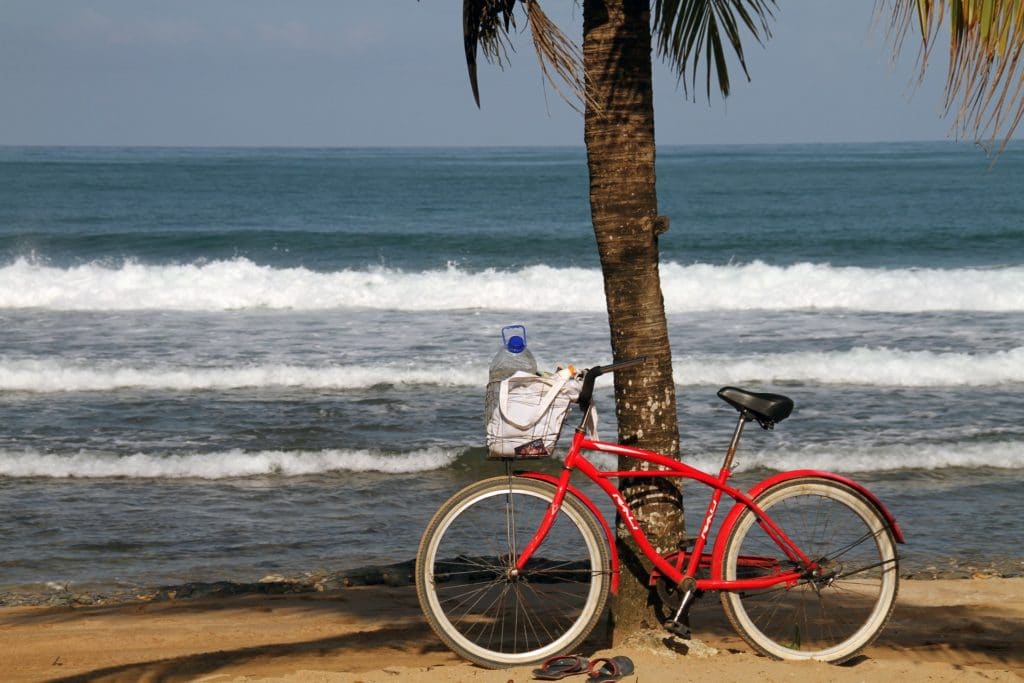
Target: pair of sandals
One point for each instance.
(603, 670)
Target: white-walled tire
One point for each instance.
(830, 616)
(495, 617)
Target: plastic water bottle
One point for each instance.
(513, 355)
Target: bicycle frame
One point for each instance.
(576, 460)
(805, 561)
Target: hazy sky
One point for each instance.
(391, 72)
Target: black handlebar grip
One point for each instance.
(620, 365)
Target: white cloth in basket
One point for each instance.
(525, 414)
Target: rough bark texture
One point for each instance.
(619, 134)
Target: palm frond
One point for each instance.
(985, 78)
(686, 28)
(560, 59)
(486, 24)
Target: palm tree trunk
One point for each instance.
(619, 133)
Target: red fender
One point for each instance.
(738, 508)
(613, 551)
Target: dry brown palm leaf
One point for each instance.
(561, 61)
(985, 78)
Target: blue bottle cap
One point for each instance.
(516, 344)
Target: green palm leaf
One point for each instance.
(485, 24)
(687, 28)
(985, 78)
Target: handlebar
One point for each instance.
(591, 374)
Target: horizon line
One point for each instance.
(580, 146)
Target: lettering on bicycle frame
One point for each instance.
(624, 510)
(707, 520)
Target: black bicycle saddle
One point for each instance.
(767, 409)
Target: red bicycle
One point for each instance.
(517, 569)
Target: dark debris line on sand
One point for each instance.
(65, 595)
(398, 574)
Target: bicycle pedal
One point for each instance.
(677, 629)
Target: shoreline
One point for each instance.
(70, 594)
(941, 630)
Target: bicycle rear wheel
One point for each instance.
(834, 613)
(483, 610)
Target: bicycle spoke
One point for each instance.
(840, 552)
(472, 599)
(841, 601)
(549, 599)
(528, 622)
(492, 614)
(482, 625)
(876, 565)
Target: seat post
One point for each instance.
(735, 443)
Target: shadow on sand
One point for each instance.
(393, 623)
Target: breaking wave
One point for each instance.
(859, 366)
(224, 465)
(242, 284)
(237, 463)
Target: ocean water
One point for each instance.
(224, 363)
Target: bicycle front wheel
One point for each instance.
(833, 612)
(479, 606)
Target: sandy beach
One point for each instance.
(942, 630)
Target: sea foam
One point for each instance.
(237, 463)
(223, 465)
(924, 456)
(54, 375)
(242, 284)
(851, 459)
(858, 366)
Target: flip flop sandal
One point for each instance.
(560, 667)
(608, 670)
